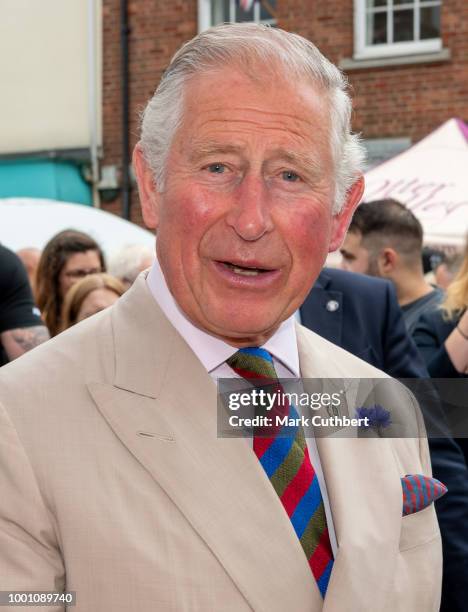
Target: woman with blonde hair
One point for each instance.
(89, 296)
(442, 334)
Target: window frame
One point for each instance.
(204, 14)
(392, 49)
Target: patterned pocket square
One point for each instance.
(419, 491)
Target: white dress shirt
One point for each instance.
(213, 353)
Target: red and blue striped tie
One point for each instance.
(285, 459)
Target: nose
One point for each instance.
(250, 213)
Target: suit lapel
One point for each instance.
(367, 523)
(322, 310)
(162, 405)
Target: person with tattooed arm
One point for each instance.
(21, 327)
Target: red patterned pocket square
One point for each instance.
(419, 491)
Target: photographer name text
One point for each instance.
(301, 421)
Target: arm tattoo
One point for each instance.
(29, 337)
(20, 340)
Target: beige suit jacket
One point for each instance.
(114, 484)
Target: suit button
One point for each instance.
(332, 305)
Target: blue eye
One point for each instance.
(290, 176)
(216, 168)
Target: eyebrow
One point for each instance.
(347, 254)
(304, 161)
(204, 149)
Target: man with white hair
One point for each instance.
(114, 481)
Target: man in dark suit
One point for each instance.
(361, 314)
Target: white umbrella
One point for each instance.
(29, 222)
(431, 178)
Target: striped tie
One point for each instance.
(285, 459)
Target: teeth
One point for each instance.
(245, 271)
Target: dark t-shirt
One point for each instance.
(17, 308)
(412, 312)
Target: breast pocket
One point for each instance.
(418, 528)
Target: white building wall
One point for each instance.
(45, 74)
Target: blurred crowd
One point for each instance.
(43, 293)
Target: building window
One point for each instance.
(386, 28)
(212, 12)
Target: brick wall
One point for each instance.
(157, 29)
(403, 101)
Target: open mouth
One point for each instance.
(244, 270)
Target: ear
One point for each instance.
(149, 195)
(387, 261)
(342, 219)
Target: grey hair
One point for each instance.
(126, 264)
(247, 45)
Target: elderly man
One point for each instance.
(114, 482)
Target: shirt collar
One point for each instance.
(212, 351)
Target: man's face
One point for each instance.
(355, 257)
(244, 223)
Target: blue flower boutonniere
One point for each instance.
(377, 416)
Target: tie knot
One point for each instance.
(252, 362)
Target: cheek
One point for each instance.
(81, 315)
(309, 234)
(187, 209)
(308, 241)
(185, 219)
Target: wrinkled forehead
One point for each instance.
(270, 78)
(227, 99)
